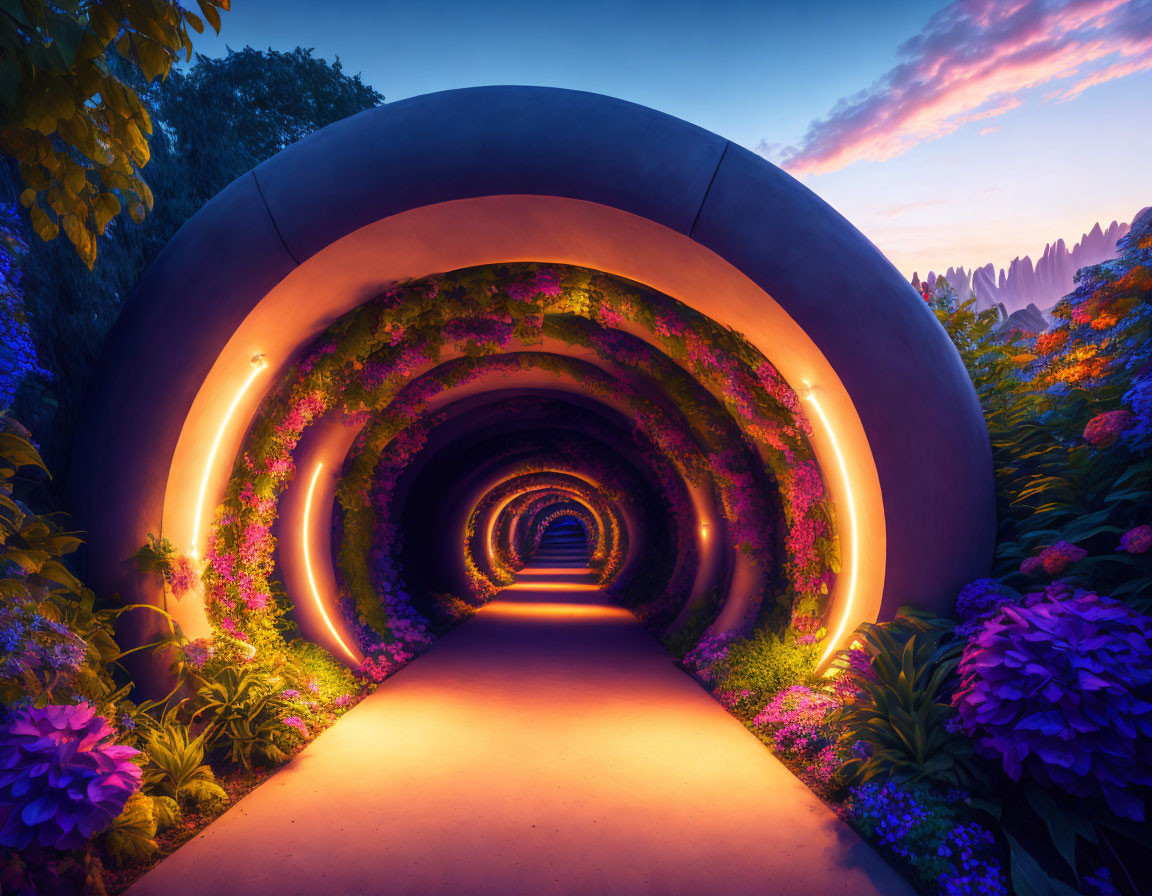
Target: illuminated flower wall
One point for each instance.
(711, 424)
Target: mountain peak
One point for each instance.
(1042, 284)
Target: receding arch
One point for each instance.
(486, 175)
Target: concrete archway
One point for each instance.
(483, 175)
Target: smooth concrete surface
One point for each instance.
(547, 746)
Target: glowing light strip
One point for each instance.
(308, 563)
(853, 534)
(258, 364)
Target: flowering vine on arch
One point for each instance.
(362, 365)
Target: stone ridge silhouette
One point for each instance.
(1042, 284)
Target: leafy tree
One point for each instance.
(76, 128)
(214, 122)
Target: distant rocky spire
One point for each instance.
(1042, 284)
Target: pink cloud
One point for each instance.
(976, 60)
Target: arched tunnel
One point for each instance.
(375, 371)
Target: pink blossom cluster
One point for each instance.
(1104, 429)
(182, 576)
(1137, 540)
(544, 281)
(198, 652)
(797, 717)
(297, 723)
(705, 658)
(1053, 559)
(825, 764)
(382, 660)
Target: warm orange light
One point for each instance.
(308, 563)
(551, 586)
(551, 610)
(809, 395)
(703, 530)
(258, 364)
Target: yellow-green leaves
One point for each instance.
(80, 133)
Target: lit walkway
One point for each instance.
(547, 746)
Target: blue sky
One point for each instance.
(939, 155)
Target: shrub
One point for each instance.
(61, 778)
(176, 768)
(899, 725)
(1062, 690)
(132, 836)
(244, 709)
(767, 663)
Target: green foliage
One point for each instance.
(213, 122)
(155, 555)
(243, 711)
(1039, 395)
(767, 663)
(176, 768)
(903, 706)
(77, 129)
(307, 663)
(61, 645)
(132, 836)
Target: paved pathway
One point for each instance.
(548, 746)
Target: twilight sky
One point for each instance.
(949, 133)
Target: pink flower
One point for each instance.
(297, 723)
(1031, 566)
(344, 700)
(1104, 429)
(253, 597)
(229, 626)
(1136, 541)
(1059, 556)
(255, 543)
(182, 576)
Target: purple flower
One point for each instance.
(1104, 429)
(1062, 690)
(1136, 541)
(982, 598)
(1060, 556)
(1031, 566)
(297, 723)
(198, 652)
(1054, 559)
(62, 779)
(1098, 884)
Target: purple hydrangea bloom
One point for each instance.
(1062, 690)
(62, 779)
(981, 598)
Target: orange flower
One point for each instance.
(1046, 343)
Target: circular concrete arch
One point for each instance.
(483, 175)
